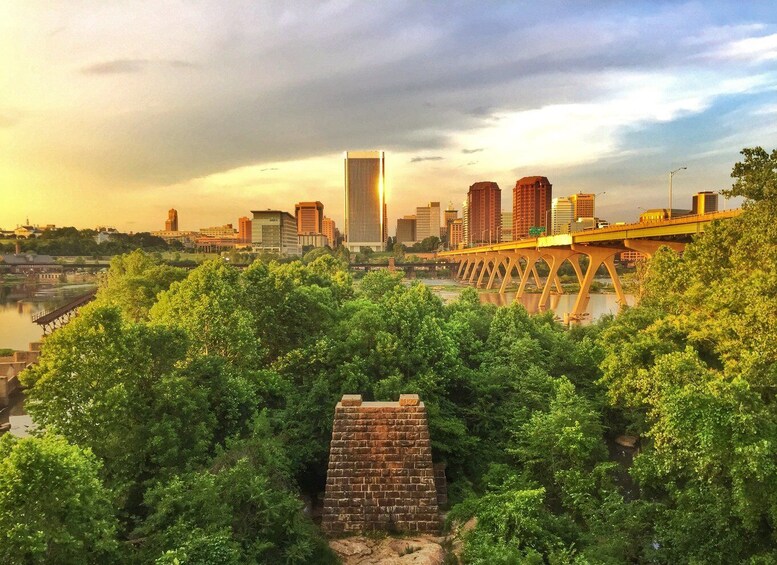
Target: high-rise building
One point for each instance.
(484, 202)
(171, 224)
(456, 233)
(274, 231)
(531, 205)
(582, 205)
(704, 202)
(329, 229)
(448, 216)
(365, 210)
(310, 217)
(465, 223)
(428, 221)
(406, 230)
(561, 215)
(506, 227)
(244, 229)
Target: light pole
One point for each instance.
(671, 174)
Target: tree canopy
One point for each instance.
(188, 415)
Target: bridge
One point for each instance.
(486, 265)
(58, 317)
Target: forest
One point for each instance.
(186, 415)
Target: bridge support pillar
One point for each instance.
(531, 269)
(597, 256)
(513, 262)
(554, 257)
(474, 270)
(497, 261)
(462, 265)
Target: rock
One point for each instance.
(420, 550)
(627, 441)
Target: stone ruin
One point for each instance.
(380, 474)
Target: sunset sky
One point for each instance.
(112, 112)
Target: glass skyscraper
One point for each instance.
(364, 200)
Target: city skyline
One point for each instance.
(117, 114)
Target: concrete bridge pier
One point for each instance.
(555, 257)
(597, 256)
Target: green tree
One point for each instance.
(134, 281)
(53, 507)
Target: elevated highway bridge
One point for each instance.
(486, 265)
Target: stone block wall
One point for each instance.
(380, 474)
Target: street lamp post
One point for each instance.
(671, 174)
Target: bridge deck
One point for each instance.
(48, 316)
(682, 226)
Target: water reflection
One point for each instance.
(18, 302)
(598, 304)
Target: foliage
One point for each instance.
(207, 403)
(53, 507)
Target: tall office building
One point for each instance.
(329, 229)
(704, 202)
(507, 227)
(310, 217)
(365, 209)
(531, 205)
(465, 223)
(456, 233)
(244, 229)
(484, 203)
(582, 205)
(406, 230)
(428, 221)
(448, 216)
(562, 214)
(273, 231)
(171, 224)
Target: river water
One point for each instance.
(18, 303)
(598, 305)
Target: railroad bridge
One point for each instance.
(485, 266)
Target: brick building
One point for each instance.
(484, 208)
(532, 198)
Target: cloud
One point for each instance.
(268, 169)
(130, 66)
(116, 66)
(469, 151)
(419, 159)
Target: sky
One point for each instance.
(113, 112)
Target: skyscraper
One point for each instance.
(456, 233)
(531, 205)
(365, 209)
(310, 217)
(562, 211)
(329, 229)
(428, 221)
(704, 202)
(582, 205)
(273, 231)
(171, 224)
(406, 230)
(244, 229)
(465, 223)
(484, 203)
(507, 227)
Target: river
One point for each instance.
(19, 301)
(600, 304)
